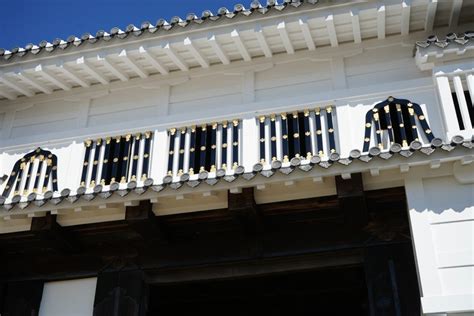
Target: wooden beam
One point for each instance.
(113, 68)
(49, 232)
(143, 221)
(86, 66)
(240, 45)
(455, 13)
(405, 19)
(430, 15)
(188, 43)
(244, 209)
(173, 55)
(356, 26)
(71, 75)
(15, 86)
(285, 38)
(331, 28)
(33, 82)
(218, 49)
(308, 38)
(153, 60)
(351, 197)
(262, 41)
(45, 74)
(381, 22)
(132, 64)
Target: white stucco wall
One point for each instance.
(71, 298)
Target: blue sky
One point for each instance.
(30, 21)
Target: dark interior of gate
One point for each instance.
(344, 254)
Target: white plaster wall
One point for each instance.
(441, 213)
(71, 298)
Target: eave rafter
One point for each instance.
(331, 28)
(303, 23)
(262, 41)
(71, 75)
(86, 66)
(235, 35)
(430, 15)
(455, 13)
(381, 22)
(173, 55)
(405, 20)
(218, 49)
(189, 44)
(356, 26)
(153, 60)
(33, 82)
(112, 68)
(16, 86)
(285, 38)
(42, 71)
(132, 64)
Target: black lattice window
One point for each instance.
(400, 120)
(116, 159)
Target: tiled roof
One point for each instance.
(211, 179)
(161, 26)
(451, 39)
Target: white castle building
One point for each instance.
(289, 158)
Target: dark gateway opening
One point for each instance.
(331, 291)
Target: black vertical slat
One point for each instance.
(411, 117)
(182, 140)
(262, 142)
(38, 174)
(115, 159)
(319, 132)
(106, 162)
(203, 148)
(192, 150)
(307, 135)
(146, 156)
(12, 178)
(135, 156)
(47, 175)
(29, 174)
(332, 139)
(85, 165)
(20, 176)
(368, 129)
(95, 163)
(378, 128)
(235, 143)
(213, 149)
(388, 123)
(125, 155)
(54, 172)
(295, 133)
(403, 134)
(224, 146)
(284, 137)
(172, 139)
(273, 139)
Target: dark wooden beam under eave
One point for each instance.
(351, 196)
(144, 222)
(53, 235)
(246, 212)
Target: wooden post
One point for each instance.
(391, 280)
(351, 197)
(122, 293)
(144, 222)
(48, 230)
